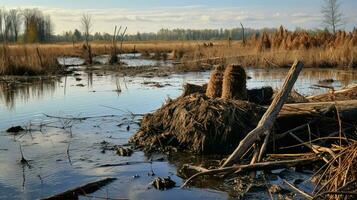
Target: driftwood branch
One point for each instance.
(82, 190)
(253, 167)
(266, 123)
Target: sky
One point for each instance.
(152, 15)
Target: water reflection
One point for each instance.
(306, 81)
(12, 91)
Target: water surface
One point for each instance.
(98, 94)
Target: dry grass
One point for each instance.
(28, 61)
(282, 48)
(279, 49)
(341, 174)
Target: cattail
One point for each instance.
(214, 88)
(234, 83)
(265, 42)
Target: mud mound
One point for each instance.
(199, 124)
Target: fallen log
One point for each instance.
(339, 95)
(272, 165)
(347, 109)
(81, 190)
(267, 121)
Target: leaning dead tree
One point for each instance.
(87, 26)
(243, 33)
(263, 129)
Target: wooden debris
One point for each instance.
(349, 93)
(126, 152)
(254, 167)
(304, 194)
(163, 183)
(268, 119)
(81, 190)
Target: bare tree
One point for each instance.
(15, 18)
(87, 26)
(332, 15)
(7, 25)
(1, 22)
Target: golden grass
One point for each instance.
(279, 49)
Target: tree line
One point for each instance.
(27, 25)
(165, 34)
(31, 25)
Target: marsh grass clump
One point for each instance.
(28, 61)
(214, 88)
(234, 83)
(197, 123)
(279, 49)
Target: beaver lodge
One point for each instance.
(261, 129)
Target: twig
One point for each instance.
(68, 155)
(196, 168)
(304, 194)
(80, 118)
(125, 163)
(23, 160)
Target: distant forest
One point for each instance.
(32, 26)
(169, 34)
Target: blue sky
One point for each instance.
(151, 15)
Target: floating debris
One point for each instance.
(327, 81)
(82, 190)
(15, 129)
(163, 183)
(121, 151)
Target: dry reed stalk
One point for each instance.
(214, 88)
(234, 83)
(341, 174)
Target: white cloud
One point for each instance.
(196, 17)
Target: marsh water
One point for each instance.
(65, 153)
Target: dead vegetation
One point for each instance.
(280, 49)
(197, 123)
(28, 61)
(307, 133)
